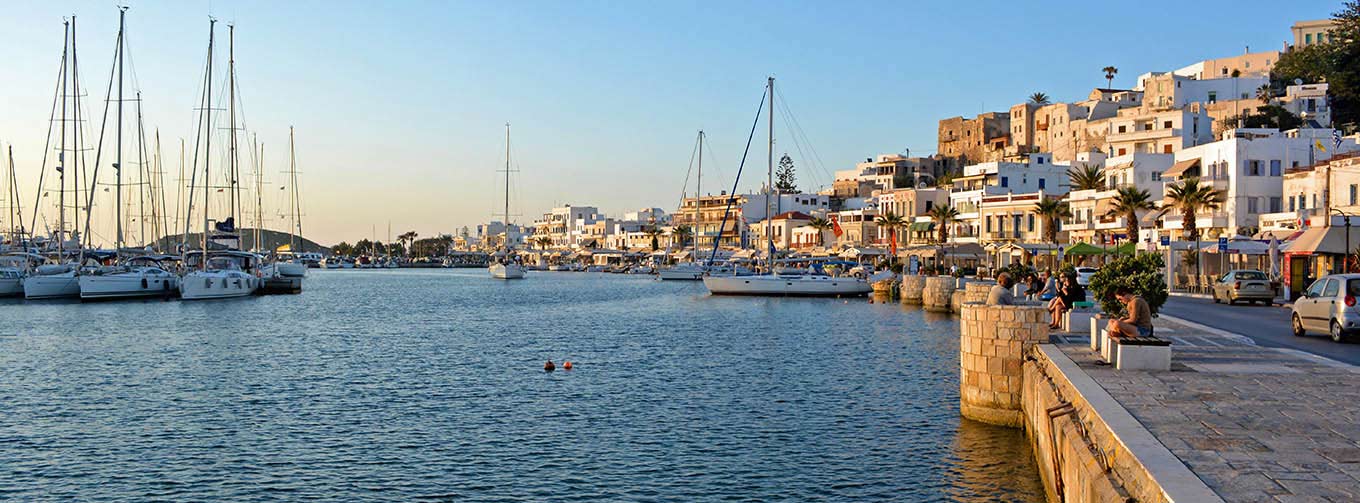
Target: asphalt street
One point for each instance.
(1268, 326)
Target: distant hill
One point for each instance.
(269, 239)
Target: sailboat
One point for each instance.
(774, 284)
(217, 274)
(141, 276)
(16, 263)
(506, 267)
(296, 267)
(59, 278)
(690, 271)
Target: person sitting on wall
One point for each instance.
(1001, 294)
(1137, 320)
(1032, 286)
(1069, 294)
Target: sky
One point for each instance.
(400, 106)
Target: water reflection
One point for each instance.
(992, 463)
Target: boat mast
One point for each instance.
(179, 200)
(207, 145)
(507, 188)
(259, 189)
(145, 184)
(294, 211)
(16, 211)
(61, 154)
(231, 129)
(118, 150)
(698, 194)
(76, 147)
(769, 177)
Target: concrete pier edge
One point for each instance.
(1177, 482)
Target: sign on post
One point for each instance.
(1222, 244)
(1166, 240)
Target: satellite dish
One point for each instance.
(1298, 82)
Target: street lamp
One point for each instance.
(1346, 263)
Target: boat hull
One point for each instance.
(291, 269)
(215, 285)
(127, 286)
(680, 274)
(56, 286)
(504, 271)
(793, 286)
(11, 287)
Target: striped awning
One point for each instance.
(1180, 168)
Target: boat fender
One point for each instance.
(549, 367)
(238, 282)
(143, 283)
(207, 282)
(165, 285)
(566, 365)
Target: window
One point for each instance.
(1291, 204)
(929, 205)
(988, 222)
(1251, 205)
(1121, 129)
(1167, 149)
(1123, 151)
(1352, 194)
(1031, 222)
(1156, 176)
(1307, 38)
(1332, 287)
(1252, 168)
(1040, 159)
(1274, 167)
(1041, 187)
(1274, 205)
(1213, 97)
(1166, 124)
(1005, 182)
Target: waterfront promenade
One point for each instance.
(1251, 423)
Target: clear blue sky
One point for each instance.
(400, 105)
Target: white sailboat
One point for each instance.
(690, 271)
(219, 274)
(505, 267)
(60, 279)
(773, 284)
(294, 266)
(14, 267)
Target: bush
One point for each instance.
(1141, 273)
(1017, 271)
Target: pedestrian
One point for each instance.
(1032, 286)
(1137, 320)
(1001, 294)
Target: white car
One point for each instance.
(1084, 275)
(1329, 305)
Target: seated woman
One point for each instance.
(1137, 320)
(1069, 294)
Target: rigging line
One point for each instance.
(203, 100)
(732, 196)
(685, 186)
(797, 129)
(103, 128)
(797, 145)
(47, 144)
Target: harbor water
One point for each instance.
(428, 385)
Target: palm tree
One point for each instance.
(653, 232)
(1110, 72)
(1038, 99)
(681, 233)
(1051, 211)
(408, 239)
(892, 222)
(1190, 197)
(943, 215)
(1087, 177)
(543, 242)
(1127, 203)
(822, 225)
(1264, 93)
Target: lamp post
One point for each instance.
(1346, 262)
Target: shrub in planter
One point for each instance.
(1017, 271)
(1141, 273)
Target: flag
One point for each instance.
(836, 226)
(1336, 139)
(892, 241)
(1318, 144)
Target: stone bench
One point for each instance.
(1131, 353)
(1078, 316)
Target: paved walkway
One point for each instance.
(1253, 423)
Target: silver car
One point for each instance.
(1329, 305)
(1084, 275)
(1244, 285)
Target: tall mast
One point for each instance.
(179, 198)
(145, 184)
(231, 112)
(161, 229)
(207, 142)
(16, 211)
(294, 207)
(769, 176)
(79, 152)
(698, 193)
(507, 186)
(61, 154)
(118, 150)
(259, 190)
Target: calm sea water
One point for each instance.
(428, 385)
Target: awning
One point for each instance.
(1323, 240)
(1103, 207)
(1180, 168)
(1241, 247)
(921, 226)
(1083, 249)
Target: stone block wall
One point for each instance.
(937, 293)
(978, 290)
(993, 341)
(956, 301)
(912, 289)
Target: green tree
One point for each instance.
(1110, 72)
(1052, 211)
(943, 215)
(363, 247)
(1140, 273)
(892, 222)
(543, 242)
(1190, 197)
(1265, 94)
(653, 233)
(786, 182)
(1335, 61)
(822, 225)
(1087, 177)
(342, 248)
(1038, 99)
(681, 234)
(1128, 201)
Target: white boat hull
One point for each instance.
(681, 274)
(507, 271)
(131, 285)
(54, 286)
(787, 286)
(291, 269)
(11, 287)
(201, 285)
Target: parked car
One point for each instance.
(1329, 305)
(1244, 285)
(1084, 275)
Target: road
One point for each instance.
(1268, 326)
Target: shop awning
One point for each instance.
(1083, 249)
(1241, 247)
(1180, 168)
(921, 226)
(1323, 240)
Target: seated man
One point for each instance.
(1001, 294)
(1137, 320)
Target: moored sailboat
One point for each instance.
(506, 266)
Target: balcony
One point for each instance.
(1152, 134)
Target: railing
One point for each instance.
(1148, 134)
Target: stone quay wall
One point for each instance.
(991, 357)
(977, 291)
(912, 289)
(937, 293)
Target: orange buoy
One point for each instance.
(566, 365)
(549, 367)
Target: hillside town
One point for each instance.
(1025, 184)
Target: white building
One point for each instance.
(1039, 174)
(1090, 207)
(1163, 132)
(567, 225)
(1309, 102)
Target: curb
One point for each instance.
(1204, 328)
